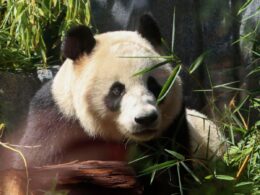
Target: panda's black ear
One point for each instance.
(78, 40)
(149, 30)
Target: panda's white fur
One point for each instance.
(206, 139)
(80, 86)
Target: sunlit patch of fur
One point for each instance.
(206, 139)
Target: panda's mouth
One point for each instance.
(145, 133)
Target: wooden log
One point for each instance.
(92, 177)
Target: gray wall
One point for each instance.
(201, 26)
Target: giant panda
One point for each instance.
(95, 107)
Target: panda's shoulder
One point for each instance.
(43, 98)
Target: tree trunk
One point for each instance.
(91, 177)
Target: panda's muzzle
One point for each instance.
(147, 120)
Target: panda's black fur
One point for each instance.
(78, 40)
(149, 30)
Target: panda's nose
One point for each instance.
(147, 119)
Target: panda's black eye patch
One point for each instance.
(153, 86)
(114, 96)
(117, 89)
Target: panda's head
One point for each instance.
(96, 84)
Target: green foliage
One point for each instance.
(13, 58)
(30, 31)
(245, 155)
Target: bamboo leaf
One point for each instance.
(145, 70)
(54, 3)
(197, 62)
(87, 13)
(227, 86)
(160, 166)
(252, 15)
(203, 90)
(173, 31)
(244, 6)
(169, 83)
(232, 137)
(209, 177)
(175, 154)
(139, 159)
(179, 178)
(230, 88)
(244, 184)
(225, 177)
(191, 172)
(255, 71)
(152, 177)
(241, 104)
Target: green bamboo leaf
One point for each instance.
(179, 178)
(244, 37)
(209, 177)
(75, 9)
(54, 3)
(241, 104)
(191, 172)
(252, 15)
(257, 124)
(197, 62)
(225, 177)
(244, 184)
(225, 84)
(152, 177)
(138, 159)
(158, 167)
(17, 19)
(145, 70)
(237, 121)
(173, 31)
(203, 90)
(175, 154)
(232, 137)
(169, 83)
(40, 12)
(255, 71)
(230, 88)
(87, 13)
(244, 6)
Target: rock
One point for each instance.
(16, 91)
